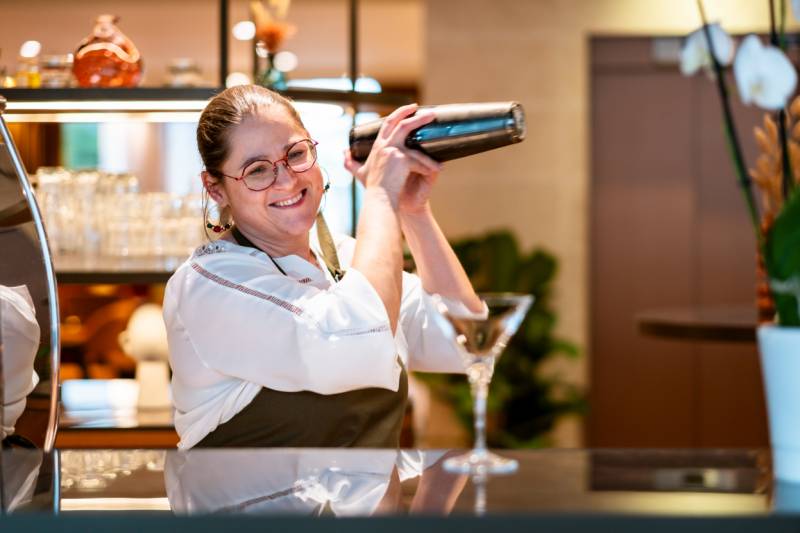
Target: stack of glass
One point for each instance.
(93, 213)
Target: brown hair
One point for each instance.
(225, 111)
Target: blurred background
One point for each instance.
(621, 206)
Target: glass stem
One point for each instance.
(480, 390)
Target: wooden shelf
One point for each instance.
(80, 269)
(722, 324)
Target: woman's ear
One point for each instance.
(215, 189)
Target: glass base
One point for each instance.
(480, 462)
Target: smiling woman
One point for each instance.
(280, 336)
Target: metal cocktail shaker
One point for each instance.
(457, 131)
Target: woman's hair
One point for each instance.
(225, 111)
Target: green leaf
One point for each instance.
(782, 259)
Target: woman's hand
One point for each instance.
(406, 175)
(416, 193)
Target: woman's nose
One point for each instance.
(288, 175)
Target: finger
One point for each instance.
(406, 126)
(417, 167)
(354, 167)
(390, 122)
(432, 165)
(351, 164)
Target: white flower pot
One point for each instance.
(780, 366)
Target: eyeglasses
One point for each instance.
(262, 173)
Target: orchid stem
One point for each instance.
(783, 25)
(787, 182)
(773, 33)
(786, 166)
(734, 148)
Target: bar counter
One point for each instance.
(326, 489)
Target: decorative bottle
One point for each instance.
(107, 58)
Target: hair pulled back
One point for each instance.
(229, 109)
(225, 111)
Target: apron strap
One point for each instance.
(329, 255)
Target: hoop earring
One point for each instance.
(218, 227)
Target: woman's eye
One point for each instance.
(259, 170)
(296, 155)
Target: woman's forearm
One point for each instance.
(437, 264)
(379, 254)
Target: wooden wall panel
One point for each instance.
(668, 229)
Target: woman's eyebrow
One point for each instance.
(253, 159)
(265, 158)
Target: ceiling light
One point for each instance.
(30, 49)
(244, 30)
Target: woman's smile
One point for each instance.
(292, 202)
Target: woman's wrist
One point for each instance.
(418, 220)
(381, 196)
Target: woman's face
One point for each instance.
(283, 213)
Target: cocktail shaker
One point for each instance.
(457, 131)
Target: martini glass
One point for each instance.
(481, 341)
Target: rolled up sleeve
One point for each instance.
(284, 335)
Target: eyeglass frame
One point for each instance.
(284, 160)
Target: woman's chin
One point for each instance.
(296, 223)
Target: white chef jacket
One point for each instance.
(287, 481)
(236, 324)
(19, 333)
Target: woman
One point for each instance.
(270, 345)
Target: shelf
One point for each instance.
(28, 101)
(79, 269)
(113, 94)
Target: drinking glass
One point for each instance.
(481, 341)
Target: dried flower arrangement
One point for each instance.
(272, 29)
(767, 174)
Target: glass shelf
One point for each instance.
(167, 98)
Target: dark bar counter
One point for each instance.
(332, 489)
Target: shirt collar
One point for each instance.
(295, 266)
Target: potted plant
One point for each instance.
(765, 77)
(524, 404)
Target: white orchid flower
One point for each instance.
(764, 75)
(695, 54)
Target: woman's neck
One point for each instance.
(298, 246)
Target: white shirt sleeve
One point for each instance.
(20, 334)
(251, 324)
(431, 345)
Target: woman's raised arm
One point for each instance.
(379, 253)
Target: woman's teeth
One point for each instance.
(290, 201)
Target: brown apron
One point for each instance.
(365, 418)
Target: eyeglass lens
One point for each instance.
(299, 157)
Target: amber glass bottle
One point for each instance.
(107, 58)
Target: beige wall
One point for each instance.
(390, 40)
(536, 52)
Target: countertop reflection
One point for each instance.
(347, 482)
